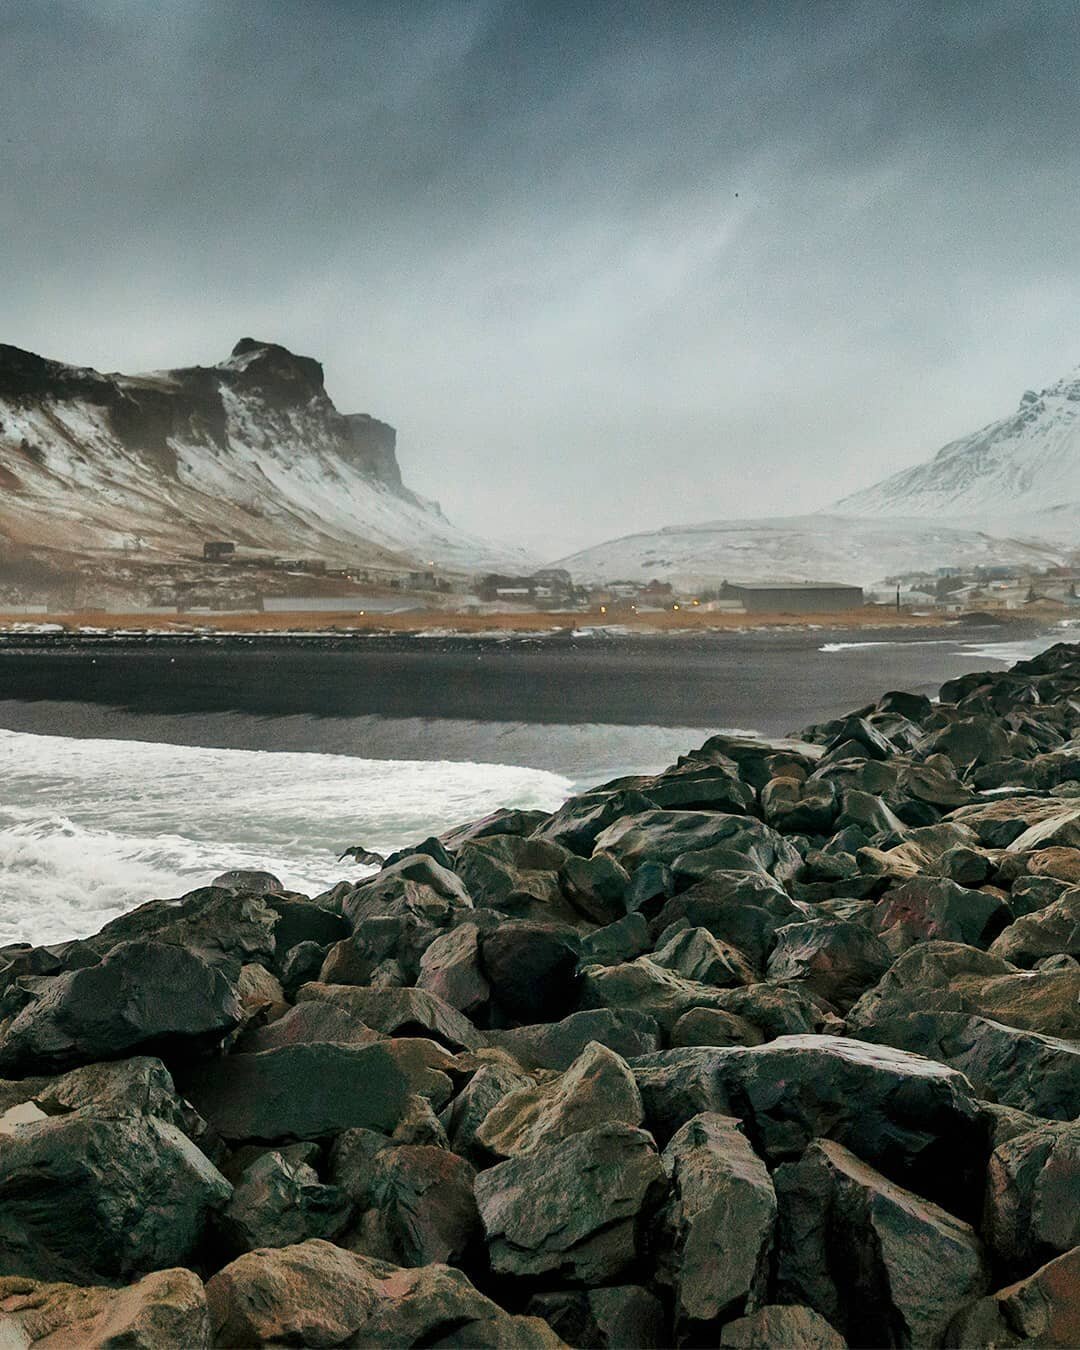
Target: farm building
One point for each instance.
(793, 597)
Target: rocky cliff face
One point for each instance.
(251, 449)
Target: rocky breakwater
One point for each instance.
(779, 1047)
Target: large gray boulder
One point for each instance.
(279, 1200)
(1025, 1069)
(1052, 931)
(1042, 1311)
(596, 1089)
(716, 1230)
(164, 1309)
(917, 1120)
(313, 1091)
(574, 1210)
(884, 1266)
(102, 1200)
(1032, 1211)
(148, 996)
(398, 1012)
(835, 959)
(667, 836)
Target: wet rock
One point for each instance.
(300, 966)
(450, 969)
(712, 1026)
(415, 888)
(304, 921)
(596, 1089)
(73, 1198)
(1032, 1211)
(1032, 1072)
(926, 908)
(399, 1012)
(166, 1308)
(424, 1204)
(1042, 1310)
(596, 887)
(950, 977)
(696, 955)
(617, 942)
(578, 822)
(226, 928)
(574, 1209)
(503, 821)
(691, 785)
(143, 996)
(669, 836)
(313, 1022)
(248, 882)
(556, 1045)
(311, 1091)
(795, 807)
(716, 1230)
(277, 1202)
(1052, 931)
(835, 959)
(604, 1319)
(917, 1120)
(651, 884)
(881, 1264)
(532, 970)
(781, 1324)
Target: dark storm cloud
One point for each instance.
(606, 265)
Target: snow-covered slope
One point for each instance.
(1023, 472)
(799, 548)
(251, 450)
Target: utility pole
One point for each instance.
(898, 598)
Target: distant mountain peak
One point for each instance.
(1022, 471)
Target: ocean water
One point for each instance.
(89, 828)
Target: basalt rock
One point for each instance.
(576, 1210)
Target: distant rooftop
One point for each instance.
(794, 585)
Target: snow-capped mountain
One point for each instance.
(1022, 472)
(250, 450)
(800, 548)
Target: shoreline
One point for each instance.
(539, 624)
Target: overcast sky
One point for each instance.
(606, 266)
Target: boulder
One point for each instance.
(596, 887)
(1052, 931)
(555, 1045)
(712, 1026)
(149, 996)
(312, 1091)
(596, 1089)
(164, 1309)
(668, 836)
(399, 1012)
(1032, 1072)
(883, 1265)
(496, 867)
(424, 1207)
(532, 969)
(313, 1022)
(925, 908)
(781, 1324)
(225, 927)
(949, 977)
(578, 822)
(916, 1120)
(1032, 1211)
(247, 881)
(617, 942)
(1041, 1311)
(836, 959)
(716, 1230)
(647, 987)
(73, 1198)
(278, 1201)
(450, 969)
(465, 1115)
(575, 1209)
(505, 820)
(604, 1319)
(691, 785)
(798, 807)
(695, 954)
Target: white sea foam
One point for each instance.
(90, 828)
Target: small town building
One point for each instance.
(217, 550)
(793, 597)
